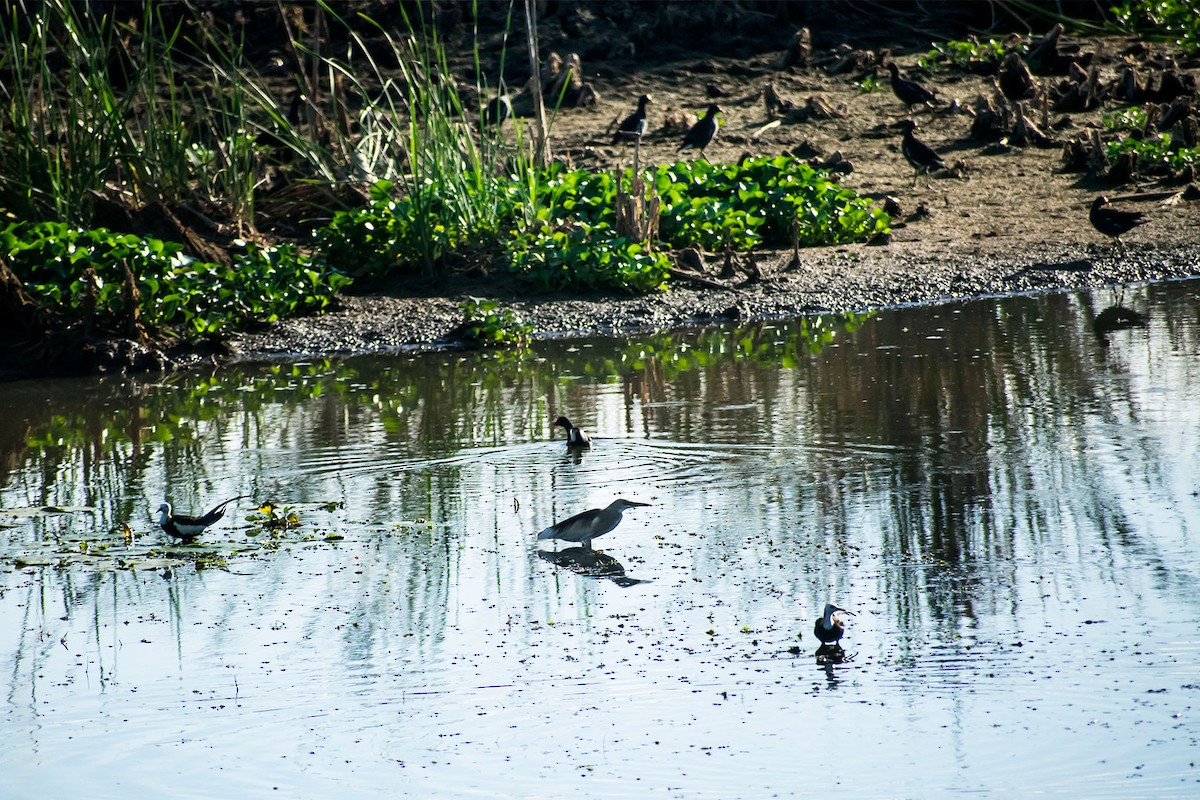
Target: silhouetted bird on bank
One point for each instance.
(920, 155)
(830, 627)
(582, 528)
(497, 111)
(1016, 82)
(1113, 222)
(633, 126)
(911, 93)
(186, 528)
(701, 134)
(576, 437)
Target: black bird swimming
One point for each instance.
(584, 527)
(1113, 222)
(922, 157)
(633, 126)
(910, 93)
(702, 133)
(497, 111)
(830, 627)
(186, 528)
(576, 437)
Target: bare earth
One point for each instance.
(1012, 222)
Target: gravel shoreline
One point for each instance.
(829, 280)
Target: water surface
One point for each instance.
(1008, 501)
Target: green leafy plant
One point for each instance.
(489, 325)
(82, 273)
(971, 54)
(1173, 19)
(1159, 153)
(1127, 119)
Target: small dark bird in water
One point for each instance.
(830, 627)
(909, 92)
(1114, 222)
(186, 528)
(701, 134)
(633, 126)
(922, 157)
(496, 111)
(584, 527)
(576, 437)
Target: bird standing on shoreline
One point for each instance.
(909, 92)
(830, 627)
(1114, 222)
(701, 134)
(633, 126)
(584, 527)
(922, 157)
(186, 527)
(577, 438)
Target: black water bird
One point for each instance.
(497, 111)
(909, 92)
(633, 126)
(584, 527)
(185, 527)
(1114, 222)
(701, 134)
(577, 438)
(830, 627)
(922, 157)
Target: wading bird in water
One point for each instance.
(584, 527)
(577, 439)
(185, 527)
(830, 627)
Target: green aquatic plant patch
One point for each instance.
(81, 274)
(559, 231)
(967, 55)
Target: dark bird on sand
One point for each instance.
(922, 157)
(633, 126)
(576, 437)
(584, 527)
(830, 627)
(1016, 82)
(701, 134)
(185, 527)
(909, 92)
(497, 111)
(1114, 222)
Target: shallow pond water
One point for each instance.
(1007, 500)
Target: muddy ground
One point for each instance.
(1007, 220)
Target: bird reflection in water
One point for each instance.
(1116, 318)
(591, 563)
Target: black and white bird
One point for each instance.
(185, 527)
(830, 627)
(909, 92)
(633, 126)
(701, 134)
(577, 438)
(1114, 222)
(584, 527)
(496, 111)
(922, 157)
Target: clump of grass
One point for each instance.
(971, 54)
